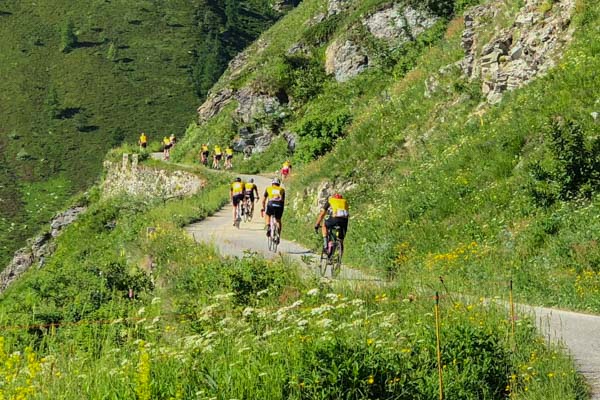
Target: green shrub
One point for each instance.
(570, 167)
(319, 135)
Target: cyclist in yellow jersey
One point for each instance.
(236, 195)
(204, 152)
(250, 189)
(275, 195)
(143, 142)
(228, 157)
(218, 154)
(336, 210)
(166, 147)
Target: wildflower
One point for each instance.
(370, 380)
(357, 302)
(313, 292)
(332, 297)
(155, 300)
(141, 311)
(302, 323)
(370, 341)
(262, 292)
(247, 311)
(324, 323)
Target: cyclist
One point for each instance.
(218, 154)
(236, 195)
(249, 189)
(173, 140)
(143, 142)
(204, 152)
(286, 169)
(336, 210)
(167, 147)
(228, 157)
(275, 194)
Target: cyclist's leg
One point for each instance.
(268, 220)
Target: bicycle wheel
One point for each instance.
(275, 236)
(336, 259)
(323, 262)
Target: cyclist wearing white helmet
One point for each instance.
(275, 195)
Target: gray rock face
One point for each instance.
(214, 104)
(148, 182)
(253, 105)
(398, 24)
(38, 248)
(337, 6)
(345, 60)
(518, 54)
(65, 219)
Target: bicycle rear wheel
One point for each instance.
(336, 259)
(275, 236)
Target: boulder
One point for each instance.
(337, 6)
(214, 104)
(65, 219)
(518, 54)
(345, 60)
(252, 105)
(398, 24)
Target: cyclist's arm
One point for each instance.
(320, 217)
(264, 201)
(256, 191)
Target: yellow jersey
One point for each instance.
(204, 148)
(218, 150)
(338, 207)
(249, 186)
(143, 138)
(275, 193)
(287, 165)
(237, 188)
(229, 151)
(166, 140)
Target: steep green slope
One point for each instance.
(440, 181)
(81, 77)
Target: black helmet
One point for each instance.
(276, 181)
(238, 179)
(251, 180)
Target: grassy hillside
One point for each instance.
(440, 182)
(80, 77)
(118, 312)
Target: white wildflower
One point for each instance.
(357, 302)
(313, 292)
(262, 292)
(302, 323)
(247, 311)
(225, 296)
(332, 297)
(141, 311)
(156, 300)
(325, 322)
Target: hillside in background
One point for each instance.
(79, 77)
(467, 144)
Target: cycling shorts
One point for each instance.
(143, 145)
(229, 157)
(274, 209)
(205, 153)
(237, 199)
(250, 195)
(337, 221)
(218, 157)
(285, 171)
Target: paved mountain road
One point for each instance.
(219, 229)
(579, 332)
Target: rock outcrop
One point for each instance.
(129, 178)
(214, 104)
(515, 55)
(38, 249)
(399, 24)
(337, 6)
(345, 60)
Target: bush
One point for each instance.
(570, 166)
(318, 135)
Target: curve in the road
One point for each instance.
(580, 333)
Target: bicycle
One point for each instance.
(204, 160)
(247, 209)
(273, 238)
(332, 255)
(239, 215)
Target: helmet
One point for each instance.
(251, 180)
(238, 179)
(276, 181)
(337, 196)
